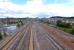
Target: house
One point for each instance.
(54, 19)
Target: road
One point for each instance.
(37, 36)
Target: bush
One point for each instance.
(63, 24)
(68, 25)
(58, 23)
(72, 31)
(19, 23)
(0, 36)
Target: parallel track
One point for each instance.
(33, 37)
(14, 40)
(44, 36)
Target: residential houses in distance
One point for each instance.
(12, 20)
(54, 19)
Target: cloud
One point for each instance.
(36, 6)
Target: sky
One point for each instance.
(36, 8)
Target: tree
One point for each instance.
(58, 23)
(63, 24)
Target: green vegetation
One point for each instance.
(72, 31)
(19, 23)
(67, 27)
(1, 36)
(63, 24)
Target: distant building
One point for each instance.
(54, 19)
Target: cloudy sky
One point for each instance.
(32, 8)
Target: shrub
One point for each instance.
(72, 31)
(63, 24)
(58, 23)
(19, 23)
(0, 36)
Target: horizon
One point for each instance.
(36, 8)
(33, 17)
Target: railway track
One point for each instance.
(33, 36)
(61, 36)
(24, 42)
(45, 41)
(14, 40)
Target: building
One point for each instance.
(54, 19)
